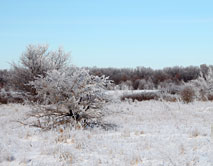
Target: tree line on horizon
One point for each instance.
(139, 77)
(148, 78)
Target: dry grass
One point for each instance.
(141, 96)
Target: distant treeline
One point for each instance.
(147, 78)
(137, 78)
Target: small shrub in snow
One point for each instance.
(60, 94)
(203, 86)
(127, 85)
(74, 95)
(145, 84)
(187, 94)
(170, 87)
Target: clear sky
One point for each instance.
(111, 33)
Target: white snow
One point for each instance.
(150, 133)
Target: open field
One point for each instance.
(150, 133)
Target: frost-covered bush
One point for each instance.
(74, 95)
(169, 87)
(36, 60)
(145, 84)
(203, 85)
(127, 85)
(61, 94)
(187, 94)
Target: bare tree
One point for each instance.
(36, 61)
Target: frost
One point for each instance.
(203, 85)
(76, 95)
(147, 133)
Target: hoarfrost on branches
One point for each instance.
(60, 93)
(203, 85)
(76, 95)
(36, 60)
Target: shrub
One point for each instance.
(187, 94)
(169, 87)
(145, 84)
(125, 85)
(69, 96)
(203, 85)
(36, 61)
(61, 94)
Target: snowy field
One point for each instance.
(150, 133)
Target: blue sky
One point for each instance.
(111, 33)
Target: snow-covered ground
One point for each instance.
(150, 133)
